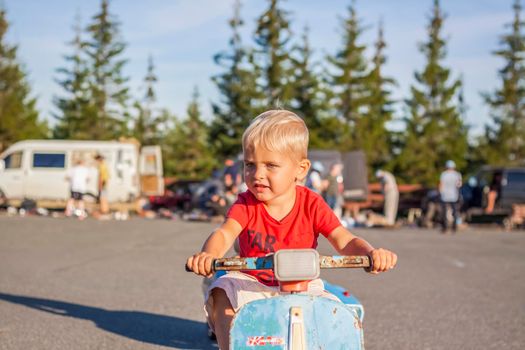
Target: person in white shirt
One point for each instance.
(449, 184)
(78, 177)
(391, 193)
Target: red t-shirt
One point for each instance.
(262, 234)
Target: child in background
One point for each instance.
(78, 177)
(274, 213)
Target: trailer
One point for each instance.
(37, 169)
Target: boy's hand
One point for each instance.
(382, 260)
(200, 264)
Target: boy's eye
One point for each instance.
(248, 165)
(272, 165)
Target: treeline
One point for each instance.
(345, 98)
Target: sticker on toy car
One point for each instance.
(262, 341)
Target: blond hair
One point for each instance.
(280, 131)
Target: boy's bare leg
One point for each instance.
(222, 316)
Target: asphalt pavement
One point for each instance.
(68, 284)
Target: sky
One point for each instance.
(182, 36)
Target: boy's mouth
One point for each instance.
(260, 187)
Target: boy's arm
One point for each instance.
(347, 244)
(217, 244)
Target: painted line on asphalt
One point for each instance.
(458, 263)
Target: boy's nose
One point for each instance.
(259, 173)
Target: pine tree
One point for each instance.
(504, 141)
(189, 156)
(435, 131)
(148, 121)
(239, 94)
(308, 94)
(73, 122)
(348, 82)
(107, 85)
(18, 114)
(272, 36)
(377, 143)
(472, 159)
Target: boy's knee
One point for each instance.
(221, 306)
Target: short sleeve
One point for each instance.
(239, 211)
(325, 219)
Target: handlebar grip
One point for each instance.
(212, 267)
(370, 264)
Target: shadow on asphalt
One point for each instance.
(142, 326)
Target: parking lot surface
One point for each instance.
(66, 284)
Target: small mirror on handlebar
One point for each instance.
(296, 264)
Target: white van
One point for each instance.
(37, 169)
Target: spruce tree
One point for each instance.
(189, 156)
(107, 85)
(348, 82)
(272, 37)
(377, 143)
(18, 114)
(239, 94)
(435, 131)
(148, 121)
(504, 140)
(308, 94)
(72, 119)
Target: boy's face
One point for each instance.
(271, 176)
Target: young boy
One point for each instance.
(274, 213)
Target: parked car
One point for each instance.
(177, 196)
(205, 191)
(510, 186)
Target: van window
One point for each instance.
(49, 160)
(13, 161)
(516, 177)
(150, 164)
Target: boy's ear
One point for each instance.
(304, 167)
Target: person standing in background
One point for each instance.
(103, 178)
(494, 192)
(78, 177)
(232, 175)
(314, 180)
(391, 193)
(449, 184)
(333, 185)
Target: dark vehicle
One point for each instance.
(204, 192)
(177, 196)
(506, 184)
